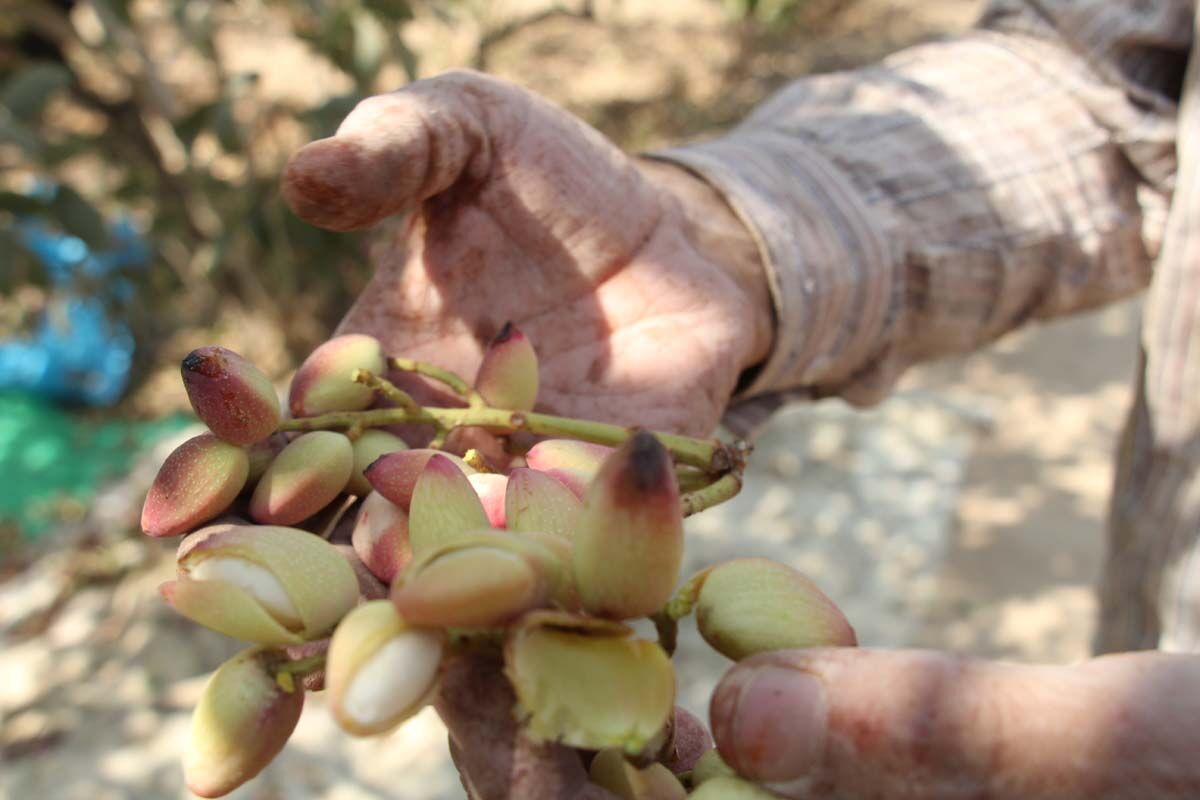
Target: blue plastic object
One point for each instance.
(77, 353)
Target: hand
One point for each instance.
(853, 723)
(641, 291)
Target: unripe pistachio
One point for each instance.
(611, 771)
(481, 579)
(629, 545)
(534, 501)
(368, 447)
(753, 605)
(711, 766)
(444, 505)
(304, 478)
(491, 488)
(380, 537)
(508, 374)
(569, 461)
(395, 475)
(230, 395)
(324, 381)
(262, 453)
(264, 584)
(196, 483)
(586, 683)
(243, 720)
(381, 670)
(730, 788)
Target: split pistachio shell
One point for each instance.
(611, 771)
(324, 381)
(368, 447)
(243, 719)
(380, 537)
(569, 461)
(586, 683)
(381, 670)
(508, 374)
(395, 475)
(265, 584)
(491, 488)
(629, 545)
(444, 505)
(753, 605)
(196, 483)
(534, 501)
(230, 395)
(481, 579)
(304, 478)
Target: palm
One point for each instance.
(523, 213)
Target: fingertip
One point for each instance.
(332, 183)
(769, 721)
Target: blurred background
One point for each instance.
(140, 147)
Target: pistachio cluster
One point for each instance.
(357, 565)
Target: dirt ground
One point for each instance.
(964, 513)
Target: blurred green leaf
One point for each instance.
(13, 131)
(194, 123)
(25, 94)
(20, 203)
(78, 216)
(226, 127)
(391, 10)
(370, 44)
(408, 59)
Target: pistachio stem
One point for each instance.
(476, 461)
(386, 388)
(717, 492)
(711, 455)
(686, 596)
(667, 627)
(286, 672)
(445, 376)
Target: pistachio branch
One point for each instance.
(444, 376)
(711, 455)
(386, 388)
(715, 493)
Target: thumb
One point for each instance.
(854, 723)
(392, 152)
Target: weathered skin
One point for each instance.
(916, 724)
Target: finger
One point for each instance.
(392, 152)
(497, 761)
(859, 723)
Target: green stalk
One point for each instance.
(445, 376)
(711, 455)
(717, 492)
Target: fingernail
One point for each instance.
(770, 724)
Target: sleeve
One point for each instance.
(925, 205)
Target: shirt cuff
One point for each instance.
(829, 265)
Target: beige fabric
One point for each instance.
(928, 204)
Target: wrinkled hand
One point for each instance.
(638, 287)
(855, 724)
(640, 290)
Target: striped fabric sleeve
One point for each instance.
(930, 203)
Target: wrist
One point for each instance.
(718, 234)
